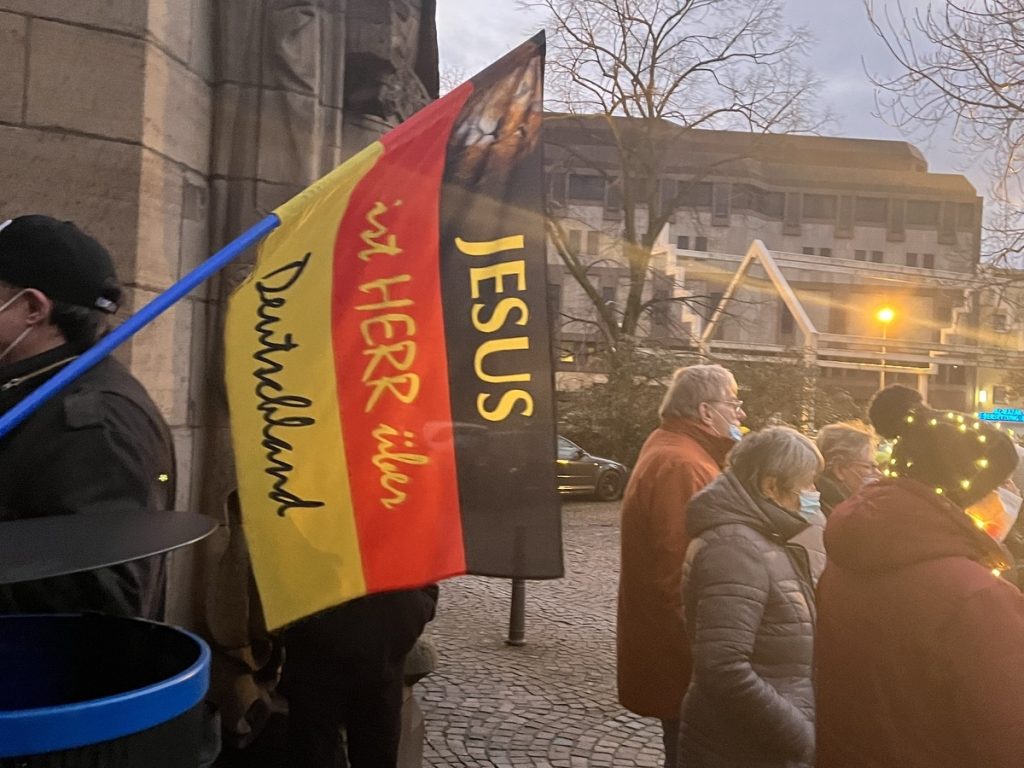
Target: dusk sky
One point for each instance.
(471, 34)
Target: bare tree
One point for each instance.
(963, 61)
(633, 74)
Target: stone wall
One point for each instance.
(166, 127)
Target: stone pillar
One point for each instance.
(104, 120)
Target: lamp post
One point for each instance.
(885, 316)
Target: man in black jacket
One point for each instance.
(99, 445)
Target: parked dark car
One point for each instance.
(581, 474)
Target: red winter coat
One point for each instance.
(919, 647)
(677, 460)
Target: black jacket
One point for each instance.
(101, 444)
(749, 607)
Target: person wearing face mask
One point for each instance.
(849, 451)
(101, 444)
(748, 592)
(920, 644)
(700, 418)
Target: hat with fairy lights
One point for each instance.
(957, 455)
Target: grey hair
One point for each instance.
(781, 453)
(693, 385)
(845, 441)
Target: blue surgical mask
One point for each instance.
(735, 433)
(810, 505)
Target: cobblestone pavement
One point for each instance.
(551, 702)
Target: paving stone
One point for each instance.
(551, 702)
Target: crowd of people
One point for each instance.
(785, 602)
(782, 603)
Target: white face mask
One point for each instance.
(10, 347)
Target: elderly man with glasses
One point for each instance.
(849, 451)
(700, 420)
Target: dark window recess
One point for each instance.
(1000, 396)
(911, 259)
(774, 205)
(683, 242)
(785, 319)
(608, 294)
(877, 257)
(555, 304)
(593, 243)
(556, 187)
(659, 309)
(700, 244)
(942, 309)
(819, 207)
(965, 216)
(575, 240)
(669, 190)
(922, 213)
(808, 251)
(928, 260)
(952, 374)
(614, 201)
(1000, 322)
(947, 223)
(589, 188)
(826, 252)
(696, 194)
(720, 208)
(871, 210)
(860, 255)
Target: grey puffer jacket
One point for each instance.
(749, 607)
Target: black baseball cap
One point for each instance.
(59, 259)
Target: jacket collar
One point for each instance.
(726, 500)
(19, 379)
(716, 446)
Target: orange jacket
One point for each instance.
(677, 460)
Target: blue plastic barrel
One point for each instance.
(100, 690)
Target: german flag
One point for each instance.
(389, 361)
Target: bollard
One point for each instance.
(517, 614)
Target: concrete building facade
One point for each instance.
(855, 225)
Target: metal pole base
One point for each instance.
(517, 614)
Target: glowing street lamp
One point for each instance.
(884, 315)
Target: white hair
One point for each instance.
(781, 453)
(693, 385)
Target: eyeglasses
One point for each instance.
(736, 404)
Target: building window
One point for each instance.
(696, 194)
(701, 244)
(819, 207)
(575, 240)
(659, 310)
(589, 188)
(593, 242)
(608, 294)
(808, 251)
(683, 242)
(928, 260)
(877, 257)
(871, 210)
(1000, 322)
(965, 216)
(555, 304)
(911, 259)
(826, 252)
(785, 319)
(1000, 396)
(923, 213)
(860, 255)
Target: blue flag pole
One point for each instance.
(136, 322)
